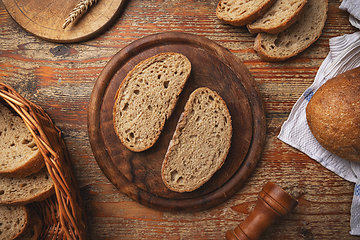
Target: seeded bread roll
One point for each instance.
(200, 143)
(13, 221)
(333, 115)
(35, 187)
(242, 12)
(293, 40)
(279, 17)
(20, 156)
(147, 97)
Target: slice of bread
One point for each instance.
(200, 143)
(147, 97)
(279, 17)
(242, 12)
(35, 187)
(34, 228)
(20, 156)
(13, 221)
(290, 42)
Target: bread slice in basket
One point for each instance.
(36, 187)
(19, 156)
(147, 97)
(34, 228)
(200, 143)
(13, 221)
(304, 32)
(279, 17)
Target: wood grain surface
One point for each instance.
(61, 77)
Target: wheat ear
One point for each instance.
(79, 10)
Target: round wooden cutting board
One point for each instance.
(45, 18)
(138, 175)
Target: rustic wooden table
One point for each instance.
(60, 78)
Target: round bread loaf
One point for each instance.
(333, 115)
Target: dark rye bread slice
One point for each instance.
(293, 40)
(13, 221)
(20, 156)
(279, 17)
(147, 97)
(200, 143)
(242, 12)
(35, 187)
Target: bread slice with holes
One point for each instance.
(242, 12)
(200, 143)
(36, 187)
(279, 17)
(13, 221)
(147, 97)
(293, 40)
(20, 156)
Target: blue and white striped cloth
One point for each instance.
(344, 55)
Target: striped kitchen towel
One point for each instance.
(344, 55)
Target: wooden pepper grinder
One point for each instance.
(272, 204)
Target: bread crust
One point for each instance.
(274, 29)
(333, 115)
(258, 12)
(168, 111)
(193, 162)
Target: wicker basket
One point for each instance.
(63, 213)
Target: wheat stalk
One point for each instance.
(79, 10)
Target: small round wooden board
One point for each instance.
(45, 18)
(138, 175)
